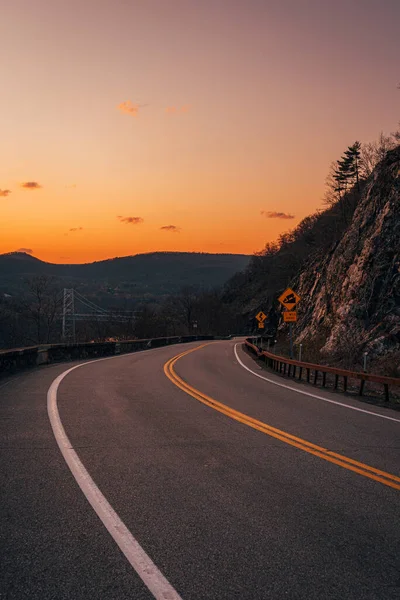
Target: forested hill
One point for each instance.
(344, 262)
(132, 277)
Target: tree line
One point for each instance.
(35, 317)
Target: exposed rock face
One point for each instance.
(352, 295)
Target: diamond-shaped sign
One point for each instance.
(289, 299)
(261, 317)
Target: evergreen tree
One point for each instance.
(352, 158)
(346, 173)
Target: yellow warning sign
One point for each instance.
(289, 299)
(290, 316)
(261, 317)
(260, 325)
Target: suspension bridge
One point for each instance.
(87, 311)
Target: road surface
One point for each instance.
(215, 483)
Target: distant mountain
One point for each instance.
(142, 277)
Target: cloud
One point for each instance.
(276, 215)
(4, 193)
(130, 220)
(173, 110)
(128, 108)
(172, 228)
(26, 250)
(31, 185)
(73, 185)
(76, 229)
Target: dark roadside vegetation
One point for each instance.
(31, 316)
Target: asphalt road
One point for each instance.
(223, 510)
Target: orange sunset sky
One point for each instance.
(132, 126)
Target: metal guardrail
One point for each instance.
(19, 359)
(288, 366)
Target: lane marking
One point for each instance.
(343, 461)
(293, 389)
(137, 557)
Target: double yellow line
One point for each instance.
(338, 459)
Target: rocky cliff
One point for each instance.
(351, 295)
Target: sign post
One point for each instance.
(261, 318)
(289, 299)
(291, 339)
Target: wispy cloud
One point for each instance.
(31, 185)
(172, 228)
(69, 187)
(173, 110)
(130, 220)
(272, 214)
(76, 229)
(130, 108)
(4, 193)
(26, 250)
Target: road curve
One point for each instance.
(222, 509)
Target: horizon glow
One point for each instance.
(131, 127)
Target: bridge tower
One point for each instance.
(68, 316)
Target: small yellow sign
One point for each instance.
(289, 299)
(290, 316)
(261, 317)
(260, 325)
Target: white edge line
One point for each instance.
(137, 557)
(293, 389)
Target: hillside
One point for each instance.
(345, 265)
(131, 278)
(351, 297)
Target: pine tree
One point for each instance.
(352, 158)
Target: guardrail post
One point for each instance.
(360, 391)
(301, 373)
(42, 355)
(294, 370)
(315, 377)
(386, 392)
(308, 375)
(336, 381)
(323, 379)
(345, 383)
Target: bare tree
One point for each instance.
(396, 134)
(186, 301)
(374, 152)
(41, 306)
(11, 327)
